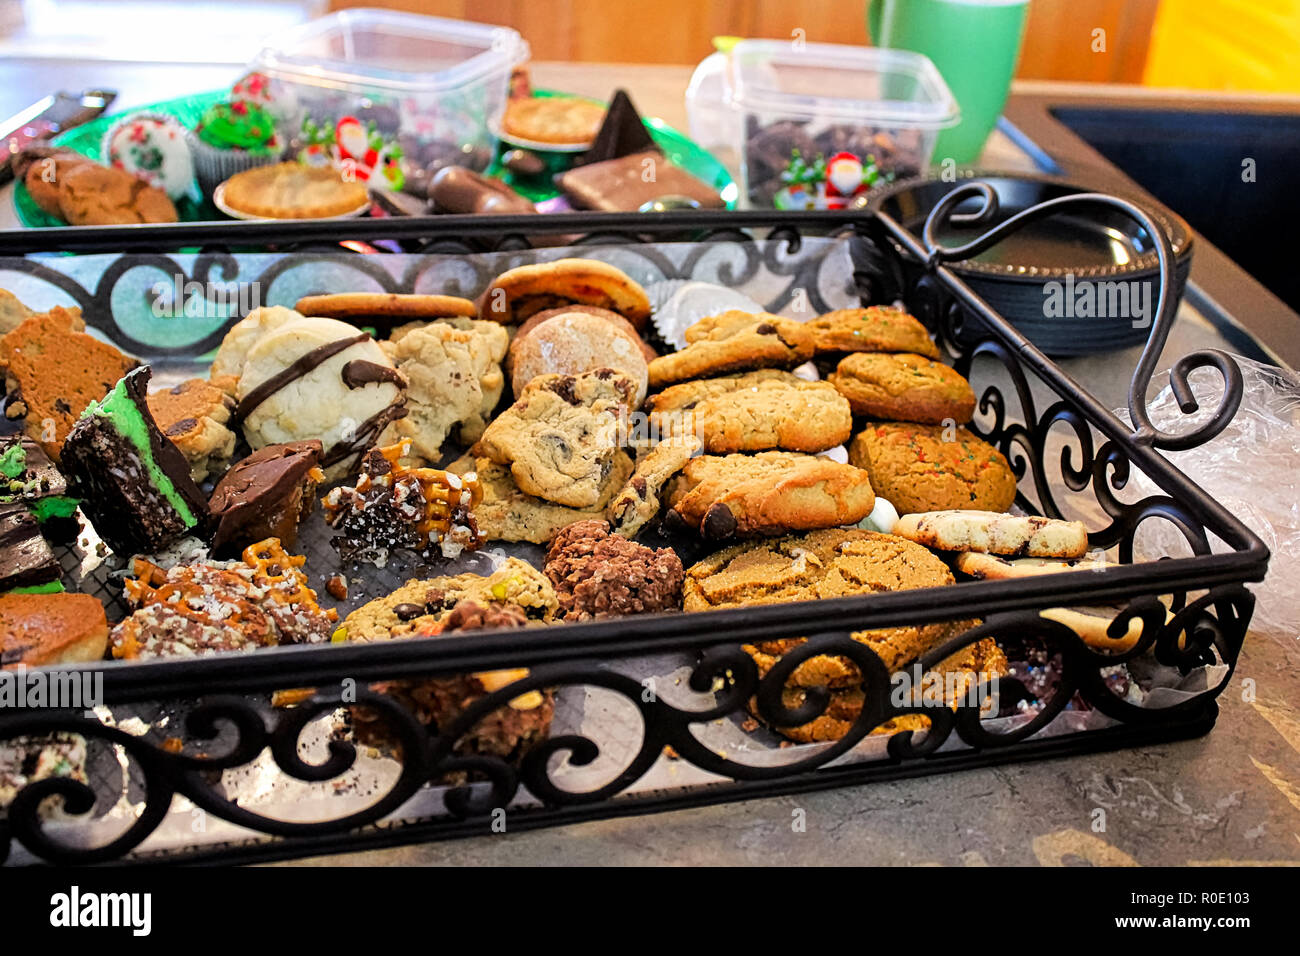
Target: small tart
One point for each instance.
(564, 120)
(293, 191)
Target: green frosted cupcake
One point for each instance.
(230, 138)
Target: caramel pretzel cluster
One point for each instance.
(197, 609)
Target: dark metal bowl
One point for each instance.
(1047, 277)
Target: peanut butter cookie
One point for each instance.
(930, 468)
(770, 493)
(775, 414)
(734, 342)
(904, 387)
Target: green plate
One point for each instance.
(187, 110)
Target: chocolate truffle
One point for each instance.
(265, 495)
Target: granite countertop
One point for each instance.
(1232, 797)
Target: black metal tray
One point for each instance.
(225, 723)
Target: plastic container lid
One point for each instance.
(395, 51)
(865, 85)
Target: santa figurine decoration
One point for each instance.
(846, 177)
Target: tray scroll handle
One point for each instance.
(1144, 431)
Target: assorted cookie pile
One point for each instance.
(555, 423)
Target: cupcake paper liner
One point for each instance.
(213, 165)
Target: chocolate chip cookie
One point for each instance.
(734, 342)
(931, 468)
(507, 514)
(904, 387)
(877, 328)
(637, 504)
(1018, 536)
(770, 493)
(559, 438)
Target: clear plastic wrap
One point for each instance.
(1252, 468)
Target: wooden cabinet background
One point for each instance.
(1058, 44)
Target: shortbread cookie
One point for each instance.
(1014, 535)
(507, 514)
(194, 415)
(904, 387)
(992, 567)
(774, 414)
(734, 342)
(384, 310)
(687, 395)
(323, 379)
(521, 292)
(878, 328)
(560, 436)
(453, 381)
(637, 504)
(417, 603)
(831, 563)
(770, 493)
(53, 370)
(1095, 628)
(933, 468)
(570, 343)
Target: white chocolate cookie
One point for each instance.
(323, 379)
(453, 378)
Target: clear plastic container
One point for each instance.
(435, 87)
(803, 124)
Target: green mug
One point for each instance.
(974, 43)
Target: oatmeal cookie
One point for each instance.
(904, 387)
(453, 381)
(507, 514)
(526, 290)
(931, 468)
(733, 342)
(769, 493)
(877, 328)
(560, 435)
(597, 573)
(420, 607)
